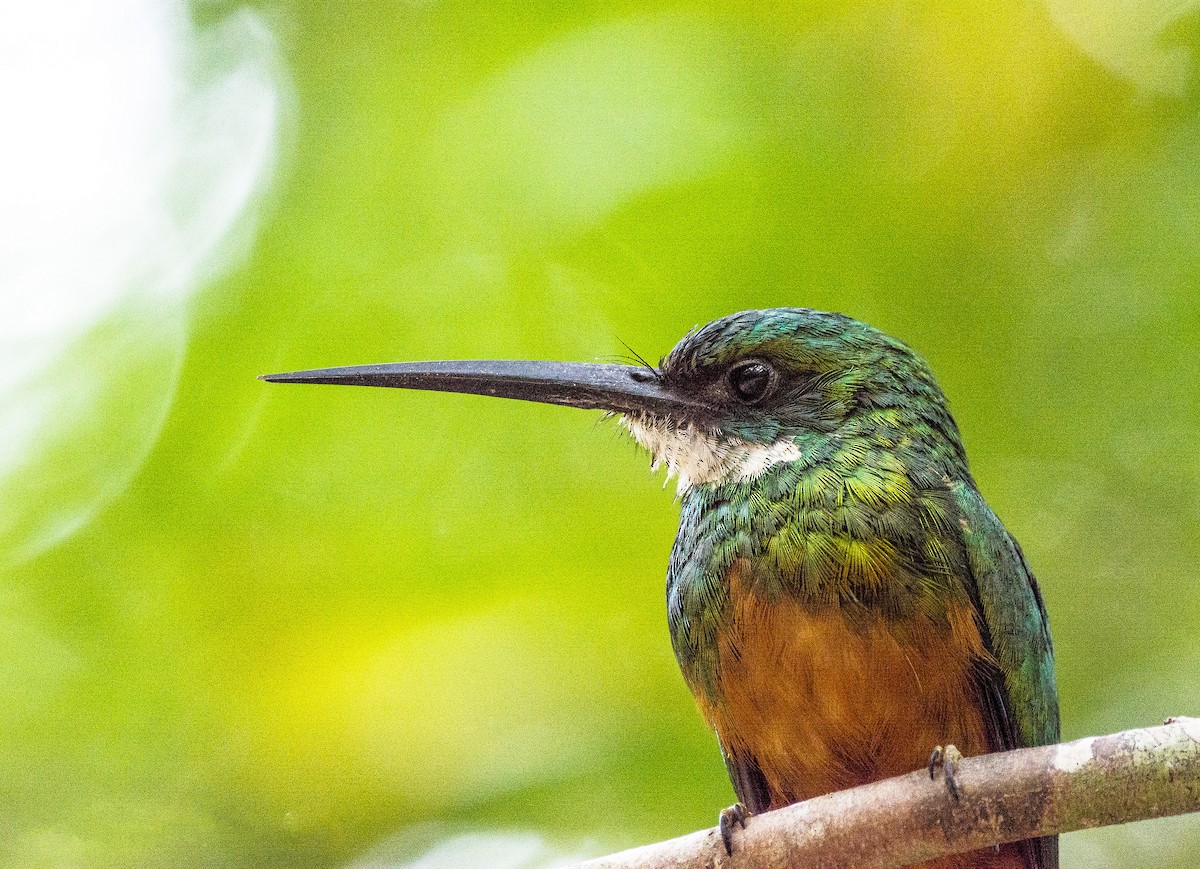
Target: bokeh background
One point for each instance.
(254, 625)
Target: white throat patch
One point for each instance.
(695, 456)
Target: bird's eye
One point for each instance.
(751, 381)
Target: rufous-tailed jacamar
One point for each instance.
(840, 597)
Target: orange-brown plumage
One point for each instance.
(821, 702)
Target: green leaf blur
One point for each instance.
(307, 622)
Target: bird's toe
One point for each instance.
(730, 817)
(946, 757)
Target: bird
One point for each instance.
(843, 603)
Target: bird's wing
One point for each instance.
(1008, 599)
(1018, 689)
(748, 781)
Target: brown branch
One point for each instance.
(1093, 782)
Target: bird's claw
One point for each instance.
(734, 815)
(947, 758)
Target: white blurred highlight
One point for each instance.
(1130, 38)
(135, 147)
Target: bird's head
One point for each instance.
(731, 400)
(776, 385)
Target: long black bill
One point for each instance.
(620, 388)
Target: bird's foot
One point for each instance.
(947, 758)
(735, 815)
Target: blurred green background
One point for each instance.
(254, 625)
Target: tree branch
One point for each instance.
(1128, 776)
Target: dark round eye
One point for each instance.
(751, 381)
